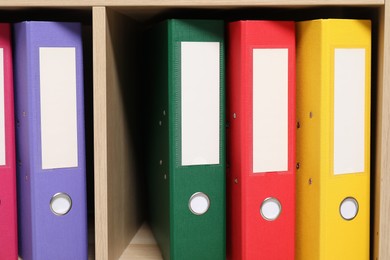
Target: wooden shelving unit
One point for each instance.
(118, 229)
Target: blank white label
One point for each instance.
(349, 110)
(270, 110)
(200, 103)
(58, 107)
(2, 110)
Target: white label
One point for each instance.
(2, 110)
(349, 110)
(58, 107)
(200, 103)
(270, 110)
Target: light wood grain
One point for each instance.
(382, 181)
(144, 236)
(183, 3)
(118, 213)
(141, 252)
(124, 179)
(142, 247)
(100, 131)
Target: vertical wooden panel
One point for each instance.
(124, 178)
(382, 179)
(118, 183)
(100, 131)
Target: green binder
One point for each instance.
(185, 133)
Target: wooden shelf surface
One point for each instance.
(184, 3)
(142, 247)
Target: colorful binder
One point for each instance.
(333, 139)
(184, 77)
(50, 141)
(261, 140)
(8, 215)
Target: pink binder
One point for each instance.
(8, 215)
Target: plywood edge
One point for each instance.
(234, 3)
(378, 147)
(100, 132)
(184, 3)
(382, 183)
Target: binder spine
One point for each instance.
(8, 205)
(262, 191)
(201, 176)
(49, 234)
(333, 188)
(23, 136)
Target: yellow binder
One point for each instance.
(333, 139)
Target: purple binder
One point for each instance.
(50, 153)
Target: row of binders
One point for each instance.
(259, 139)
(42, 143)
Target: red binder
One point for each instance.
(8, 215)
(261, 140)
